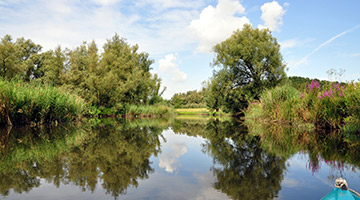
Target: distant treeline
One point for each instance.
(190, 99)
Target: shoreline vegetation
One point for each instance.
(329, 107)
(63, 85)
(31, 104)
(248, 82)
(34, 104)
(202, 112)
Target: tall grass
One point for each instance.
(329, 106)
(24, 103)
(148, 110)
(280, 104)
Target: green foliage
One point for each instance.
(249, 61)
(119, 77)
(148, 110)
(190, 99)
(18, 58)
(329, 106)
(22, 103)
(301, 83)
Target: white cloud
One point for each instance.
(68, 23)
(169, 66)
(272, 14)
(168, 160)
(286, 44)
(59, 6)
(206, 190)
(217, 24)
(295, 42)
(290, 183)
(166, 4)
(105, 2)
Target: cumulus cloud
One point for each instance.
(215, 24)
(169, 159)
(272, 14)
(169, 66)
(68, 23)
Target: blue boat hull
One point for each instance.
(338, 194)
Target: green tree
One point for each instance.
(55, 64)
(123, 75)
(8, 65)
(18, 58)
(28, 59)
(249, 62)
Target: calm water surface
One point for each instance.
(174, 159)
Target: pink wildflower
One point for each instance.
(325, 94)
(320, 97)
(302, 95)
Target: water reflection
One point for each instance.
(115, 153)
(179, 159)
(169, 159)
(243, 170)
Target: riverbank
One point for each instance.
(35, 104)
(333, 106)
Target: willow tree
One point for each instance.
(122, 75)
(18, 59)
(249, 61)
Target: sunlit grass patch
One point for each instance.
(192, 111)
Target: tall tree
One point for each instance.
(249, 62)
(28, 59)
(8, 64)
(123, 75)
(55, 65)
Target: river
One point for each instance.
(181, 158)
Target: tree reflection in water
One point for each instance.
(115, 154)
(248, 162)
(243, 170)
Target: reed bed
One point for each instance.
(25, 103)
(148, 110)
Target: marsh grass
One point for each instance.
(24, 103)
(330, 106)
(148, 110)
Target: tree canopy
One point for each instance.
(117, 77)
(247, 62)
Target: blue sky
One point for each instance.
(315, 36)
